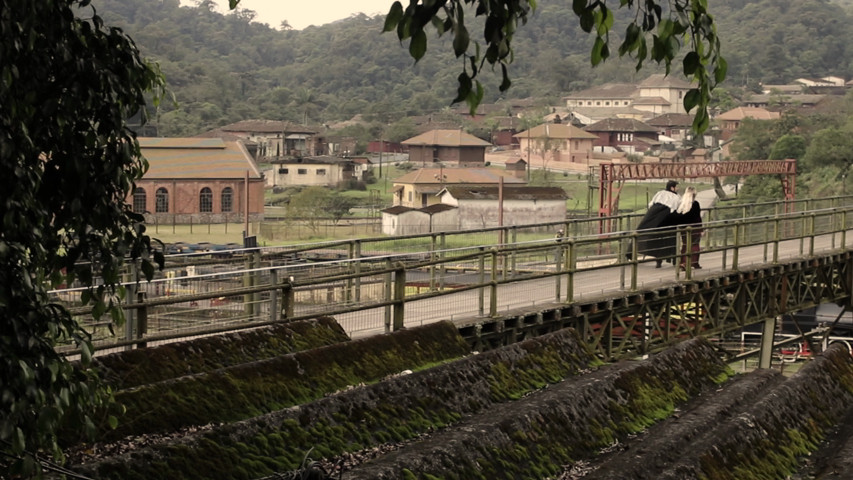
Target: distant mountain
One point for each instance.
(226, 68)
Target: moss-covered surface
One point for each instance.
(534, 437)
(149, 365)
(256, 388)
(782, 426)
(524, 412)
(396, 409)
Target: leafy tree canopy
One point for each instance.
(68, 85)
(788, 146)
(353, 69)
(657, 31)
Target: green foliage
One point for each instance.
(788, 146)
(313, 204)
(353, 70)
(830, 147)
(777, 49)
(649, 35)
(69, 84)
(755, 139)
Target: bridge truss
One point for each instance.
(612, 176)
(638, 323)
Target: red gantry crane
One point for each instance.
(612, 176)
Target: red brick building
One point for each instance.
(198, 180)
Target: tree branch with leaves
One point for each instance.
(69, 162)
(659, 31)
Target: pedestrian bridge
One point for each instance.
(503, 285)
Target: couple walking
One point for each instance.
(667, 211)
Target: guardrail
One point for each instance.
(378, 293)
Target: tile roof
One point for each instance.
(456, 175)
(757, 113)
(447, 138)
(672, 120)
(511, 192)
(397, 209)
(652, 101)
(555, 130)
(800, 98)
(189, 158)
(608, 90)
(591, 115)
(620, 125)
(437, 208)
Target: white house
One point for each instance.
(325, 171)
(480, 206)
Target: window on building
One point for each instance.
(282, 171)
(161, 201)
(598, 104)
(607, 104)
(227, 199)
(321, 171)
(139, 199)
(302, 171)
(205, 200)
(410, 196)
(577, 145)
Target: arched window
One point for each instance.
(161, 201)
(139, 199)
(227, 199)
(205, 200)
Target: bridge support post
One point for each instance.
(273, 296)
(768, 331)
(399, 298)
(493, 292)
(571, 266)
(288, 299)
(141, 320)
(433, 247)
(481, 307)
(130, 313)
(558, 265)
(848, 277)
(250, 279)
(389, 282)
(354, 285)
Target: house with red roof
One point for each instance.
(558, 142)
(623, 135)
(450, 147)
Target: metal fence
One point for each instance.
(378, 285)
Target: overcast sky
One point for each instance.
(302, 13)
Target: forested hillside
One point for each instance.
(225, 68)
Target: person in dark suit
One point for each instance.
(689, 214)
(659, 241)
